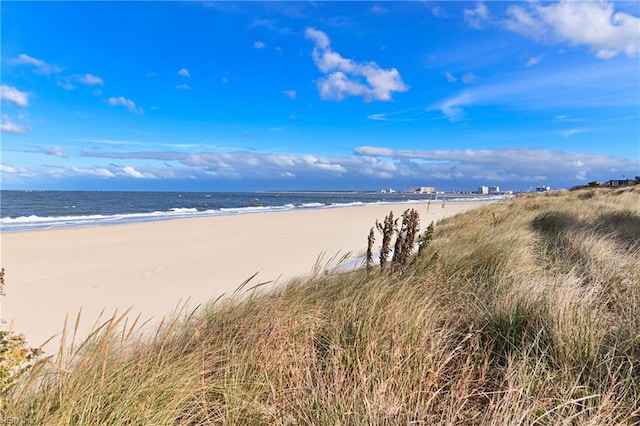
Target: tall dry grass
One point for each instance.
(523, 312)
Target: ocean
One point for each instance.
(28, 210)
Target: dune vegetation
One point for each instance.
(523, 312)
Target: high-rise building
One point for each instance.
(425, 190)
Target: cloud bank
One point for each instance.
(369, 165)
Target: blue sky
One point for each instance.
(232, 96)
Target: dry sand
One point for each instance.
(155, 267)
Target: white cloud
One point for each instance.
(17, 171)
(65, 84)
(259, 45)
(183, 86)
(345, 77)
(606, 54)
(97, 172)
(56, 151)
(184, 72)
(571, 132)
(5, 168)
(450, 77)
(439, 12)
(21, 174)
(338, 86)
(566, 118)
(386, 117)
(290, 93)
(469, 78)
(25, 59)
(129, 104)
(379, 10)
(392, 116)
(377, 117)
(11, 94)
(373, 151)
(594, 24)
(10, 127)
(475, 17)
(323, 164)
(51, 150)
(452, 108)
(590, 23)
(128, 170)
(318, 37)
(466, 79)
(534, 60)
(89, 79)
(40, 65)
(523, 22)
(281, 159)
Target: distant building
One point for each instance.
(425, 190)
(543, 188)
(483, 190)
(619, 182)
(494, 190)
(388, 191)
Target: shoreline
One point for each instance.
(154, 267)
(34, 222)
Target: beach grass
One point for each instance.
(522, 312)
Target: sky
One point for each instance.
(252, 96)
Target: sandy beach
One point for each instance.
(155, 267)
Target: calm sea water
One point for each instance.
(25, 210)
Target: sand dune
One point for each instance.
(154, 267)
